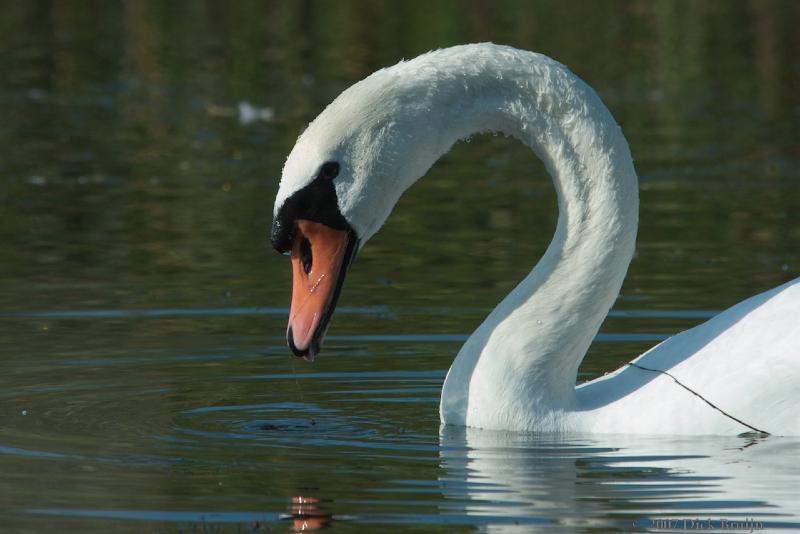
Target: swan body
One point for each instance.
(518, 370)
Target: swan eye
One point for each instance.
(305, 255)
(329, 170)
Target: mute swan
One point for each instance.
(736, 373)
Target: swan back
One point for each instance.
(745, 361)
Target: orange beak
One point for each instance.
(320, 257)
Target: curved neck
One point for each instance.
(522, 362)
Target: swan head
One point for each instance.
(340, 182)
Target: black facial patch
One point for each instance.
(315, 202)
(329, 170)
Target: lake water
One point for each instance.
(145, 381)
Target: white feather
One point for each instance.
(518, 370)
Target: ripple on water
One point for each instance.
(305, 424)
(226, 442)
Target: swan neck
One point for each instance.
(521, 363)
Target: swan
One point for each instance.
(737, 373)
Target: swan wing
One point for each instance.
(744, 361)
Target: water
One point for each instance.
(145, 382)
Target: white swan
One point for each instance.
(518, 370)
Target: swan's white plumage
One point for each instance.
(744, 360)
(517, 371)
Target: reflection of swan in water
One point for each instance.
(518, 370)
(306, 514)
(514, 481)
